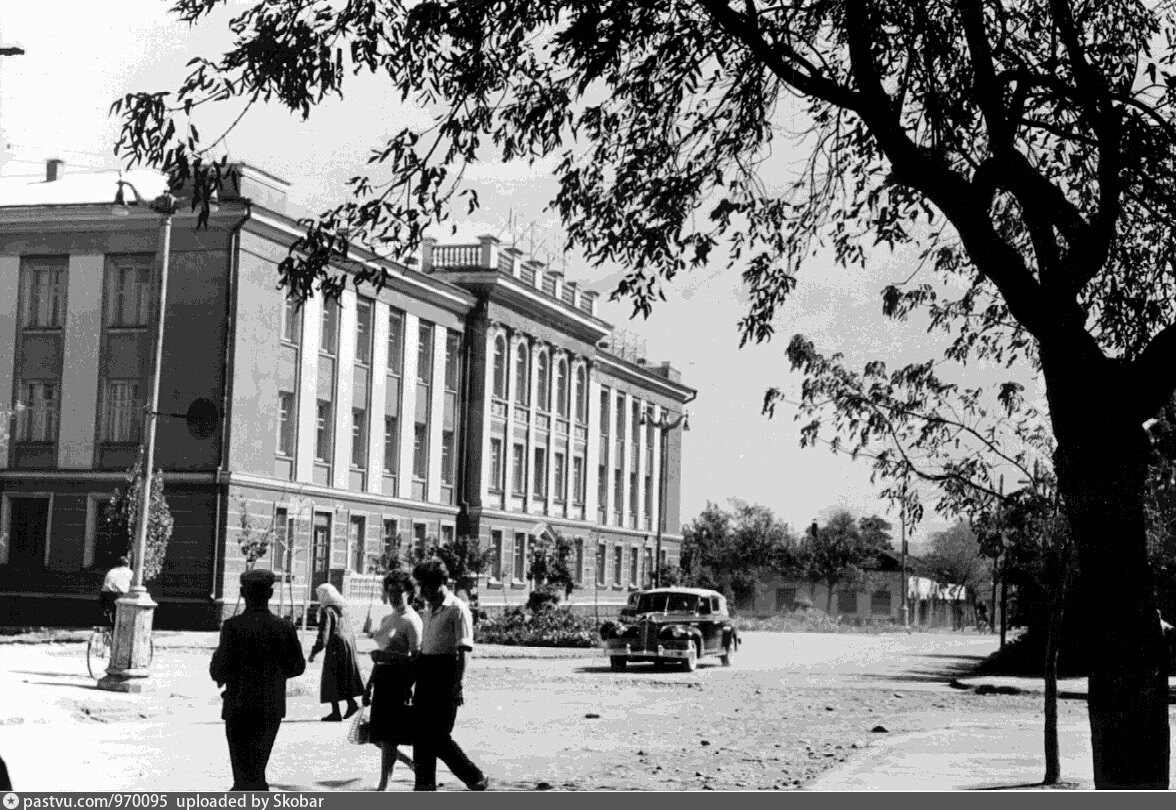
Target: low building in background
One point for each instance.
(476, 394)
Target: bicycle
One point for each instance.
(99, 646)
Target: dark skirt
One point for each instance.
(391, 715)
(341, 678)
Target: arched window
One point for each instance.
(499, 388)
(544, 383)
(522, 395)
(581, 395)
(561, 388)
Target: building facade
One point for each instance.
(471, 395)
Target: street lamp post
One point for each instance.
(664, 426)
(130, 654)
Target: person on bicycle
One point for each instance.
(116, 584)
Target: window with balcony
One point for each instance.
(495, 481)
(498, 388)
(292, 322)
(122, 412)
(286, 423)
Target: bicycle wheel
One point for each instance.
(98, 652)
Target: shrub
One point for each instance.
(543, 598)
(814, 621)
(555, 627)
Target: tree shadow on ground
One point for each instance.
(1063, 785)
(637, 669)
(40, 674)
(89, 687)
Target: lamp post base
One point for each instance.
(130, 655)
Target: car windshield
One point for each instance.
(652, 603)
(682, 603)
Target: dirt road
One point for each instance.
(792, 707)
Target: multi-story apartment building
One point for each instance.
(472, 395)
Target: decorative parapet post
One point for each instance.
(558, 278)
(489, 255)
(573, 293)
(590, 296)
(513, 254)
(534, 269)
(427, 245)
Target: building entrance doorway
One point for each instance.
(28, 527)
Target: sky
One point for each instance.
(54, 102)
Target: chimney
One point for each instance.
(53, 169)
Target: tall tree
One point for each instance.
(120, 520)
(837, 554)
(727, 551)
(1024, 149)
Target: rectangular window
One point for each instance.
(605, 399)
(520, 557)
(880, 602)
(495, 465)
(601, 563)
(496, 555)
(363, 330)
(38, 421)
(540, 472)
(618, 495)
(618, 564)
(425, 353)
(634, 494)
(420, 451)
(446, 535)
(286, 423)
(578, 480)
(452, 361)
(648, 501)
(649, 565)
(329, 339)
(448, 458)
(602, 489)
(578, 572)
(355, 542)
(633, 560)
(359, 435)
(292, 322)
(518, 481)
(122, 411)
(323, 432)
(391, 543)
(391, 445)
(43, 292)
(395, 342)
(128, 291)
(558, 477)
(620, 435)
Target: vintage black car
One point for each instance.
(678, 625)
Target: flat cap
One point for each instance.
(258, 576)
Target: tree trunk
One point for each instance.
(1053, 638)
(829, 598)
(1102, 464)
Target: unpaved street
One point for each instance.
(792, 707)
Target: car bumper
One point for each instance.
(620, 649)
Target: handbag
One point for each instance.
(361, 728)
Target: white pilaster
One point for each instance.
(379, 390)
(592, 453)
(436, 406)
(642, 431)
(531, 503)
(487, 420)
(341, 469)
(627, 457)
(9, 298)
(412, 325)
(312, 326)
(659, 413)
(79, 368)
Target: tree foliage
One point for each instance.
(839, 553)
(956, 557)
(728, 550)
(552, 569)
(120, 518)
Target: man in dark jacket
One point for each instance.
(257, 653)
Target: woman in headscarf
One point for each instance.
(398, 640)
(341, 679)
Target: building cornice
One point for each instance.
(315, 490)
(616, 367)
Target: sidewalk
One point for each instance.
(990, 754)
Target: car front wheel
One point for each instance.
(729, 651)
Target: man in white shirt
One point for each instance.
(447, 639)
(116, 584)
